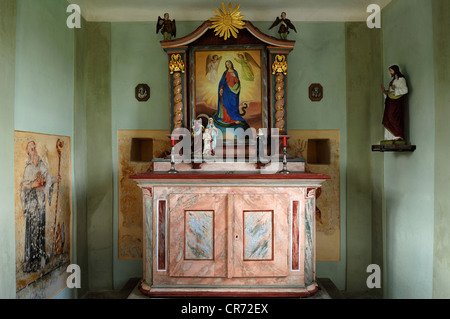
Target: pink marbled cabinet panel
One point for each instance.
(258, 235)
(246, 209)
(229, 267)
(197, 235)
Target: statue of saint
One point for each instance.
(167, 27)
(285, 25)
(210, 138)
(394, 110)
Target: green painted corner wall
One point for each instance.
(99, 155)
(44, 75)
(8, 9)
(441, 264)
(93, 164)
(409, 177)
(80, 160)
(364, 182)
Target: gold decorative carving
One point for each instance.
(176, 64)
(279, 65)
(227, 21)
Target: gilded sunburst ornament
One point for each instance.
(227, 21)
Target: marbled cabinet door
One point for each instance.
(197, 236)
(228, 235)
(260, 235)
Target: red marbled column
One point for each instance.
(295, 236)
(161, 235)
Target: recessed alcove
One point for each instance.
(141, 150)
(319, 151)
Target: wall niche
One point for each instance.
(319, 151)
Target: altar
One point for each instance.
(229, 233)
(231, 214)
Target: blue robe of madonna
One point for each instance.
(230, 97)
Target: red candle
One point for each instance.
(173, 141)
(284, 140)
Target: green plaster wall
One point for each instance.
(364, 181)
(7, 223)
(320, 57)
(135, 58)
(63, 87)
(441, 265)
(99, 167)
(409, 177)
(44, 73)
(44, 68)
(80, 160)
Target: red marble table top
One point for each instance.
(228, 175)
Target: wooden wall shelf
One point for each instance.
(393, 148)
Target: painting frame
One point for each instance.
(204, 96)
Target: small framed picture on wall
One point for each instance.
(142, 92)
(315, 92)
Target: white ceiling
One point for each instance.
(201, 10)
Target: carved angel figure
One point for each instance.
(246, 61)
(212, 65)
(167, 27)
(285, 25)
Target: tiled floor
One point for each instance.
(327, 291)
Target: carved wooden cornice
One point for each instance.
(202, 29)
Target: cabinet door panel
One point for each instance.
(197, 235)
(260, 235)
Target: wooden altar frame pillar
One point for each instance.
(277, 58)
(178, 93)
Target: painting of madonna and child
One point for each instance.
(228, 89)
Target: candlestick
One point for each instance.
(172, 160)
(284, 170)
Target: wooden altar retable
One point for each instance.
(220, 228)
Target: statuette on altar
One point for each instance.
(210, 138)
